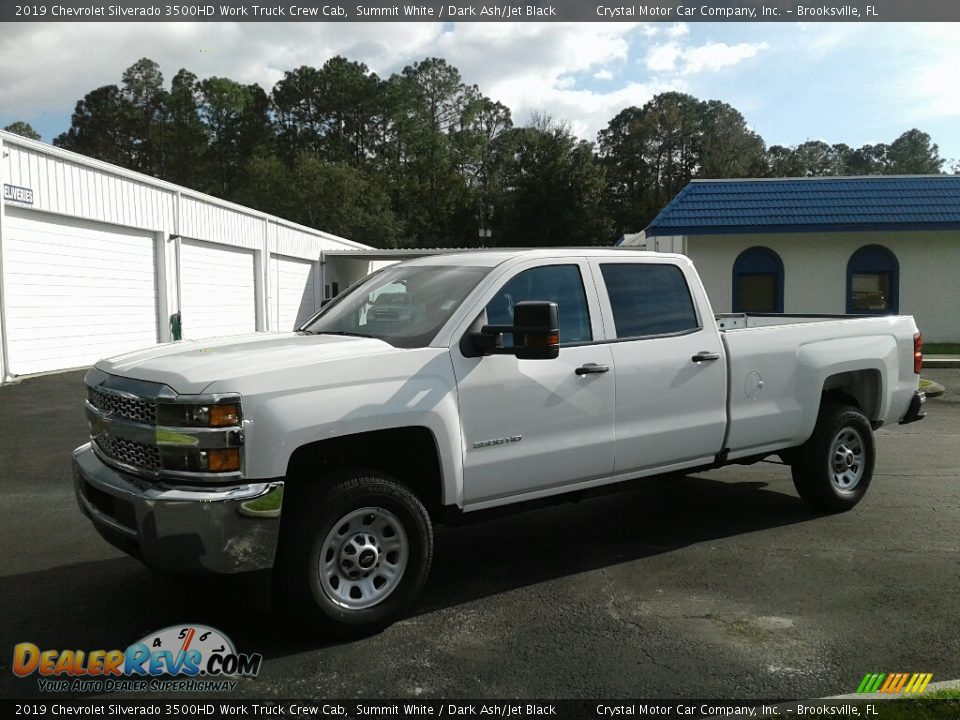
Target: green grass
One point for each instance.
(947, 694)
(941, 348)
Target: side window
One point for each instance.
(758, 281)
(648, 299)
(873, 281)
(561, 284)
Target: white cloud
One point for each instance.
(670, 56)
(41, 71)
(679, 30)
(719, 55)
(663, 58)
(603, 75)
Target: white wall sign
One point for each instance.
(18, 194)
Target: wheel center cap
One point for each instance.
(367, 559)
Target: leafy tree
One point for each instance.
(730, 149)
(98, 127)
(336, 197)
(651, 153)
(913, 153)
(142, 114)
(237, 124)
(551, 190)
(23, 129)
(186, 137)
(867, 160)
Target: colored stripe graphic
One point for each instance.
(894, 683)
(871, 682)
(918, 683)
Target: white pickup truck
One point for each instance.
(448, 385)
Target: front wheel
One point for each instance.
(355, 555)
(832, 471)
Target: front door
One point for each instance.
(538, 425)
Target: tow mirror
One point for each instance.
(535, 331)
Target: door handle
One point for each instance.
(591, 369)
(704, 356)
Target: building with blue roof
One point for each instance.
(875, 245)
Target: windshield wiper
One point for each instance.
(340, 332)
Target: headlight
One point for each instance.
(208, 415)
(200, 437)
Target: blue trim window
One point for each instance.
(873, 282)
(758, 281)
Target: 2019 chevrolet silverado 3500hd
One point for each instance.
(447, 385)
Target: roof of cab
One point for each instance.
(492, 258)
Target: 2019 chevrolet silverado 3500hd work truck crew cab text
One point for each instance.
(451, 384)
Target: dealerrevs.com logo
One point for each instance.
(177, 658)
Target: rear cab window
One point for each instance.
(649, 299)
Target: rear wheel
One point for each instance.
(833, 470)
(354, 555)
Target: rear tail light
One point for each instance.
(917, 353)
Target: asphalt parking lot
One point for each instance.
(720, 584)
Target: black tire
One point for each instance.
(832, 471)
(315, 528)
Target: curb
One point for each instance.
(941, 362)
(934, 389)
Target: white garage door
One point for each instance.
(76, 291)
(218, 293)
(293, 300)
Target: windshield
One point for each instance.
(405, 305)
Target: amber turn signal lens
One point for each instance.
(224, 415)
(223, 460)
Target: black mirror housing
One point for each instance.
(536, 330)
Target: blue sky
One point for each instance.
(839, 82)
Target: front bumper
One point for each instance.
(917, 409)
(179, 529)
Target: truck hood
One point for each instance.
(189, 366)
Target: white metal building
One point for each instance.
(95, 260)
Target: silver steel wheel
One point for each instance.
(847, 459)
(363, 558)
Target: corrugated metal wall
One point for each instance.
(71, 186)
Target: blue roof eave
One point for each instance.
(667, 230)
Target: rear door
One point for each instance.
(670, 365)
(534, 426)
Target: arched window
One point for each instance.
(758, 281)
(873, 282)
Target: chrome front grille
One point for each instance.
(123, 406)
(138, 455)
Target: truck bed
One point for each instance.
(739, 321)
(778, 364)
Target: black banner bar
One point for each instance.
(353, 709)
(493, 11)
